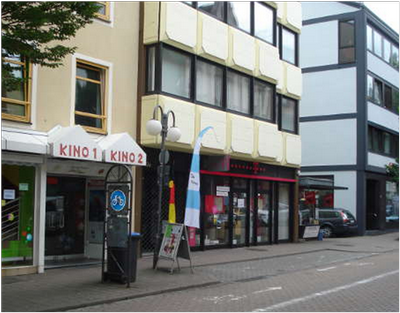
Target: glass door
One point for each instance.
(283, 212)
(240, 212)
(264, 211)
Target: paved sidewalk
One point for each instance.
(69, 288)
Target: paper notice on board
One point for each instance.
(241, 203)
(222, 193)
(9, 194)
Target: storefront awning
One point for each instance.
(122, 149)
(319, 184)
(23, 141)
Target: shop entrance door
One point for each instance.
(95, 221)
(65, 216)
(240, 212)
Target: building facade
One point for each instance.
(232, 66)
(61, 132)
(349, 120)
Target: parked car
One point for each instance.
(336, 222)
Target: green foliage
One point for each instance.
(392, 169)
(35, 31)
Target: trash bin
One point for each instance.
(117, 266)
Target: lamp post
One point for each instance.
(154, 127)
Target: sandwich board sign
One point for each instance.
(175, 245)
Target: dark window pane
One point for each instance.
(263, 22)
(388, 97)
(289, 119)
(239, 15)
(386, 50)
(176, 72)
(369, 38)
(209, 83)
(386, 143)
(238, 92)
(377, 43)
(102, 8)
(346, 34)
(214, 8)
(395, 100)
(370, 87)
(370, 139)
(88, 121)
(87, 72)
(394, 59)
(88, 97)
(375, 140)
(13, 109)
(17, 72)
(346, 55)
(263, 101)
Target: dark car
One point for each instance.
(336, 222)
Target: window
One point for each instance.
(90, 97)
(377, 43)
(289, 119)
(346, 42)
(386, 50)
(288, 46)
(382, 142)
(104, 10)
(176, 71)
(369, 38)
(264, 101)
(370, 87)
(394, 59)
(215, 9)
(15, 103)
(378, 97)
(239, 15)
(238, 92)
(264, 22)
(209, 83)
(388, 97)
(151, 69)
(395, 100)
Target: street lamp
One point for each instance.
(154, 127)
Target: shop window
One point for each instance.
(264, 101)
(346, 42)
(264, 206)
(392, 203)
(283, 211)
(239, 15)
(209, 83)
(289, 114)
(90, 111)
(104, 11)
(238, 92)
(264, 21)
(15, 100)
(176, 73)
(17, 224)
(215, 9)
(216, 211)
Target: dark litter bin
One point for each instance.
(117, 267)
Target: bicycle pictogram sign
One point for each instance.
(118, 200)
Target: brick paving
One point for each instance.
(71, 288)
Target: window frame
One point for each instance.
(107, 16)
(103, 92)
(296, 112)
(380, 148)
(251, 18)
(274, 22)
(273, 120)
(27, 73)
(296, 45)
(230, 110)
(392, 108)
(347, 46)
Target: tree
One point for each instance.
(34, 31)
(392, 169)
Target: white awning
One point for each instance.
(122, 149)
(23, 141)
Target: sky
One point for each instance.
(386, 11)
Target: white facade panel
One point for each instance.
(329, 142)
(379, 160)
(269, 141)
(214, 37)
(383, 117)
(293, 14)
(243, 50)
(294, 80)
(269, 63)
(293, 149)
(329, 92)
(382, 69)
(318, 9)
(217, 119)
(242, 135)
(319, 44)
